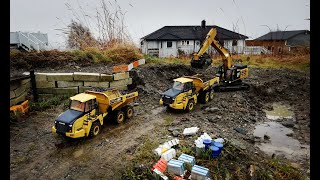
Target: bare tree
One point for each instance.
(79, 36)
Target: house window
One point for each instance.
(234, 42)
(182, 42)
(161, 44)
(141, 43)
(187, 42)
(169, 44)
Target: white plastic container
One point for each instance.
(190, 131)
(187, 159)
(176, 167)
(199, 173)
(168, 155)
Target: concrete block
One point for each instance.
(14, 85)
(69, 83)
(129, 81)
(121, 87)
(40, 76)
(68, 90)
(12, 95)
(83, 89)
(20, 90)
(80, 76)
(45, 84)
(123, 82)
(59, 76)
(120, 76)
(46, 90)
(18, 99)
(97, 84)
(25, 81)
(106, 77)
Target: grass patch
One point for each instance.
(49, 102)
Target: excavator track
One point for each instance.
(223, 87)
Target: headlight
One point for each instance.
(70, 125)
(55, 122)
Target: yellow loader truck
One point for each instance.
(188, 91)
(88, 110)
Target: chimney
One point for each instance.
(203, 24)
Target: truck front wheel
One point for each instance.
(95, 129)
(190, 105)
(120, 117)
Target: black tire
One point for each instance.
(204, 97)
(129, 112)
(211, 94)
(95, 128)
(119, 116)
(190, 105)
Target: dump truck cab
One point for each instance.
(179, 95)
(74, 122)
(87, 111)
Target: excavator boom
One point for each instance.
(199, 60)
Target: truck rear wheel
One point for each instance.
(211, 94)
(119, 117)
(129, 112)
(190, 105)
(207, 97)
(95, 129)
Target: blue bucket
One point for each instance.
(218, 145)
(215, 151)
(207, 143)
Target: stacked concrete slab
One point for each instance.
(77, 82)
(19, 90)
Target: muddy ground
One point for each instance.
(36, 153)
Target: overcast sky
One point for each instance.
(252, 18)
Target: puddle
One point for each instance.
(78, 153)
(280, 143)
(279, 111)
(157, 110)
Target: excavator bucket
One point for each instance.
(202, 63)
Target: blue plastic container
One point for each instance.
(207, 143)
(219, 145)
(215, 151)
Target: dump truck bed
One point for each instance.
(200, 84)
(112, 98)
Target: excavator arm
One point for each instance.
(201, 61)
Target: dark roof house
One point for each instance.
(293, 38)
(191, 33)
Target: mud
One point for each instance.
(36, 153)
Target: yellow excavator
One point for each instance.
(231, 75)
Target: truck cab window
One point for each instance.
(178, 86)
(77, 105)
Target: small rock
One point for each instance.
(296, 126)
(288, 123)
(237, 144)
(77, 67)
(296, 165)
(289, 135)
(172, 129)
(212, 109)
(135, 104)
(241, 130)
(175, 133)
(266, 137)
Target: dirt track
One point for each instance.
(36, 153)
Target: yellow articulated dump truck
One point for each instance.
(88, 110)
(188, 91)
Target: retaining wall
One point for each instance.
(67, 83)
